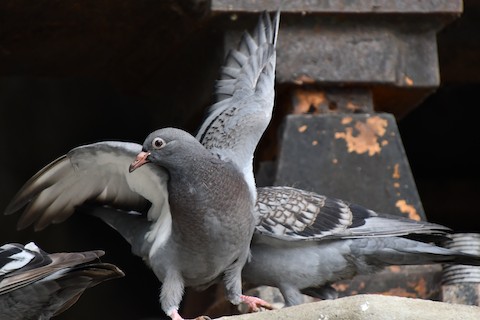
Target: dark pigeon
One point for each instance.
(38, 285)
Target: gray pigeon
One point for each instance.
(98, 173)
(212, 223)
(307, 241)
(38, 285)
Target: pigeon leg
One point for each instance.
(254, 303)
(171, 293)
(233, 286)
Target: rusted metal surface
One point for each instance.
(351, 50)
(462, 293)
(357, 51)
(461, 283)
(356, 157)
(332, 100)
(443, 7)
(422, 281)
(387, 46)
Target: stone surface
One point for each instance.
(369, 307)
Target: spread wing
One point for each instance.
(95, 173)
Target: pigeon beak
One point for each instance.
(139, 161)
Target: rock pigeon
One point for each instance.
(38, 285)
(98, 173)
(307, 241)
(212, 219)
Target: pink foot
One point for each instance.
(175, 316)
(255, 303)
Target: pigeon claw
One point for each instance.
(254, 303)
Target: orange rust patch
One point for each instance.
(335, 161)
(361, 285)
(352, 106)
(395, 269)
(408, 81)
(340, 286)
(346, 120)
(399, 292)
(420, 287)
(384, 143)
(314, 142)
(302, 129)
(306, 100)
(367, 138)
(304, 79)
(396, 171)
(396, 185)
(408, 209)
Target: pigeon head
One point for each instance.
(166, 147)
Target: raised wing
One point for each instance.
(294, 214)
(95, 173)
(245, 97)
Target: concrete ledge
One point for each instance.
(369, 307)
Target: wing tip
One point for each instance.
(11, 208)
(273, 23)
(34, 185)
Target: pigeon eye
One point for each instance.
(158, 143)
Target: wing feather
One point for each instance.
(245, 97)
(295, 214)
(95, 173)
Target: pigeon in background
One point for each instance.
(38, 285)
(169, 190)
(306, 241)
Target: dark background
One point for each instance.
(68, 77)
